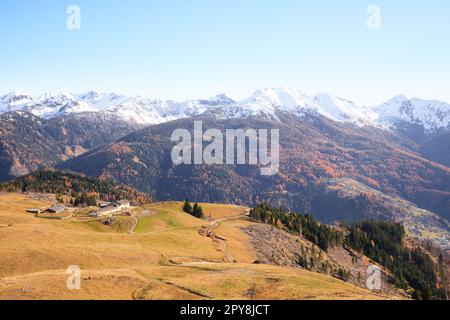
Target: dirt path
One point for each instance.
(141, 292)
(165, 230)
(136, 221)
(220, 242)
(213, 225)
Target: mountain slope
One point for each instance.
(399, 111)
(346, 200)
(323, 138)
(313, 149)
(136, 110)
(425, 122)
(70, 184)
(150, 265)
(25, 145)
(431, 115)
(147, 111)
(436, 147)
(88, 130)
(268, 102)
(29, 143)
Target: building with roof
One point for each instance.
(116, 207)
(122, 204)
(34, 211)
(56, 209)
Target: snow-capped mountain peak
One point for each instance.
(270, 98)
(267, 103)
(263, 103)
(14, 101)
(270, 101)
(432, 114)
(221, 99)
(343, 110)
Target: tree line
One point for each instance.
(76, 186)
(320, 234)
(412, 269)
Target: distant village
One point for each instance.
(105, 209)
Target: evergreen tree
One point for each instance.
(384, 243)
(187, 207)
(197, 211)
(200, 214)
(91, 201)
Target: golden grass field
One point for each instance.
(165, 258)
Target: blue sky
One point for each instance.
(198, 48)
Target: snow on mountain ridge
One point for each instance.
(432, 114)
(270, 100)
(14, 101)
(343, 110)
(264, 103)
(136, 109)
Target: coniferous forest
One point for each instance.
(413, 269)
(384, 243)
(83, 189)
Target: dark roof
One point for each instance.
(57, 208)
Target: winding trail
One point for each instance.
(219, 242)
(136, 221)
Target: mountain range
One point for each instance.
(338, 160)
(432, 115)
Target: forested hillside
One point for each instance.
(413, 269)
(73, 185)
